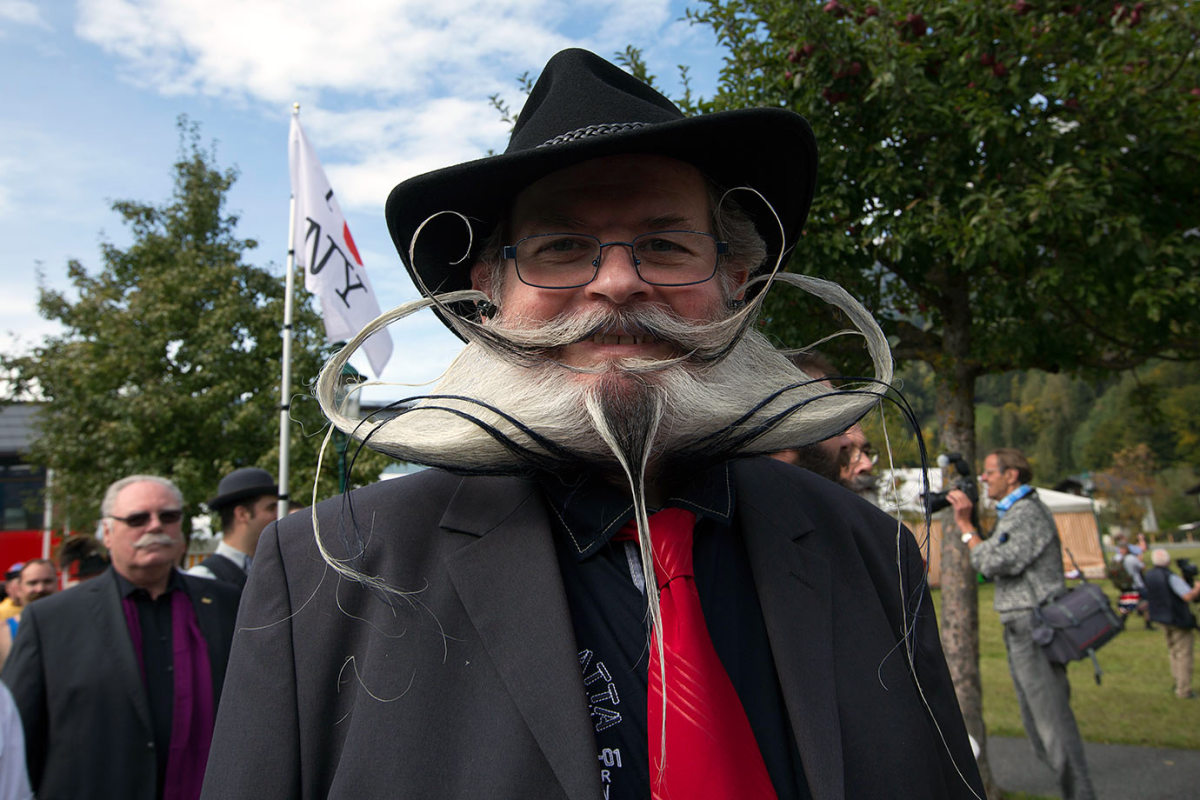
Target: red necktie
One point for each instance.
(711, 750)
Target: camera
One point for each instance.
(936, 501)
(1188, 570)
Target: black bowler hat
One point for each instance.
(583, 107)
(243, 484)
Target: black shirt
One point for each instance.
(608, 610)
(154, 618)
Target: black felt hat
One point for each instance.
(583, 107)
(243, 484)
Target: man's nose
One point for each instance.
(617, 279)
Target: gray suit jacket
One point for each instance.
(76, 680)
(469, 684)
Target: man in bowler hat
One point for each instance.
(247, 501)
(599, 589)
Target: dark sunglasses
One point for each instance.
(168, 517)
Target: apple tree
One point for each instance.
(1007, 185)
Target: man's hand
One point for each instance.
(963, 507)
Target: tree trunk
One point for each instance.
(955, 402)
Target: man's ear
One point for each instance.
(481, 281)
(481, 278)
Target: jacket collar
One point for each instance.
(590, 510)
(508, 580)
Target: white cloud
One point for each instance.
(389, 89)
(21, 12)
(277, 50)
(393, 145)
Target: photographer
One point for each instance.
(1024, 557)
(1168, 596)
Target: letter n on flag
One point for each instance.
(333, 270)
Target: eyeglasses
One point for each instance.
(866, 451)
(168, 517)
(571, 260)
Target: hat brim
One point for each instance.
(241, 495)
(771, 150)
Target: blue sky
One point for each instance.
(388, 89)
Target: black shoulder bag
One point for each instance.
(1074, 624)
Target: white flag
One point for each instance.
(333, 270)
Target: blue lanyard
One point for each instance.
(1014, 496)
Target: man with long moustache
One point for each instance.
(117, 680)
(598, 592)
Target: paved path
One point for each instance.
(1119, 772)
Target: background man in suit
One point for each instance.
(117, 680)
(486, 633)
(247, 500)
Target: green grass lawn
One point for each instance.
(1134, 704)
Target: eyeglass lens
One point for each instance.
(663, 258)
(141, 518)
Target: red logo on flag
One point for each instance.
(350, 243)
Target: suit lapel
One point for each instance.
(793, 581)
(111, 627)
(510, 585)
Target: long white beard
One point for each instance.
(504, 406)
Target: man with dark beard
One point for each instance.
(847, 457)
(485, 628)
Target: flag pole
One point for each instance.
(285, 382)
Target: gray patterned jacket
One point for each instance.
(1027, 565)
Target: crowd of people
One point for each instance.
(616, 581)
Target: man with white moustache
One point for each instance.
(117, 680)
(598, 591)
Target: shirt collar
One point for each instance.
(234, 555)
(1012, 497)
(590, 510)
(126, 588)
